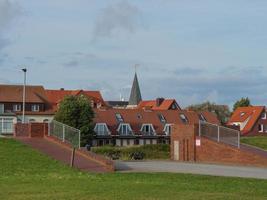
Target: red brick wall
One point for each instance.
(210, 151)
(185, 135)
(214, 152)
(38, 129)
(21, 130)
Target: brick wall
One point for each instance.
(214, 152)
(210, 151)
(38, 129)
(21, 130)
(31, 130)
(185, 136)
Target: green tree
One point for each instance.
(222, 111)
(243, 102)
(76, 111)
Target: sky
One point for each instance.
(189, 50)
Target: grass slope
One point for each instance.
(258, 141)
(26, 174)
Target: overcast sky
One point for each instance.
(189, 50)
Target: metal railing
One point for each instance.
(6, 126)
(65, 133)
(219, 133)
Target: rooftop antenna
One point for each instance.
(135, 67)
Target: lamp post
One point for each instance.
(24, 95)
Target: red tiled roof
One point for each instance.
(165, 105)
(55, 96)
(14, 93)
(137, 117)
(251, 113)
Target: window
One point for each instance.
(16, 107)
(242, 114)
(202, 118)
(101, 129)
(2, 108)
(119, 117)
(263, 115)
(35, 107)
(125, 129)
(167, 129)
(147, 129)
(162, 118)
(6, 125)
(260, 127)
(183, 118)
(139, 116)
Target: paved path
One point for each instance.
(254, 149)
(61, 153)
(191, 168)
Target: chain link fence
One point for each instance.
(219, 133)
(65, 133)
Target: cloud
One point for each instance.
(9, 11)
(121, 16)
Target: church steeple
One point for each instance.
(135, 96)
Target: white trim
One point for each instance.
(151, 127)
(262, 128)
(165, 127)
(16, 107)
(128, 126)
(35, 107)
(2, 108)
(264, 117)
(105, 127)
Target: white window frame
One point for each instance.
(129, 129)
(167, 129)
(185, 117)
(105, 129)
(35, 107)
(262, 128)
(4, 121)
(2, 108)
(119, 117)
(151, 129)
(16, 107)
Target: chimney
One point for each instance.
(159, 101)
(62, 89)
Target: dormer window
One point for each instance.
(16, 107)
(119, 117)
(162, 118)
(202, 118)
(167, 129)
(35, 108)
(101, 129)
(147, 129)
(183, 118)
(263, 115)
(125, 129)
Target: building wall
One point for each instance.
(255, 129)
(37, 118)
(9, 106)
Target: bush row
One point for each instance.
(153, 151)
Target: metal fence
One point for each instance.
(6, 126)
(220, 133)
(65, 133)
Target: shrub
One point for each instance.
(153, 151)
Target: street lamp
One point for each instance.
(24, 95)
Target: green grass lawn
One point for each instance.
(27, 174)
(258, 141)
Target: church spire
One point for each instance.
(135, 96)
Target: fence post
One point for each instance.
(218, 139)
(238, 140)
(79, 139)
(48, 131)
(63, 138)
(199, 128)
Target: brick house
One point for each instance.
(251, 120)
(123, 127)
(37, 107)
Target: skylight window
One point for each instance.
(119, 117)
(202, 118)
(242, 114)
(167, 129)
(162, 118)
(183, 118)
